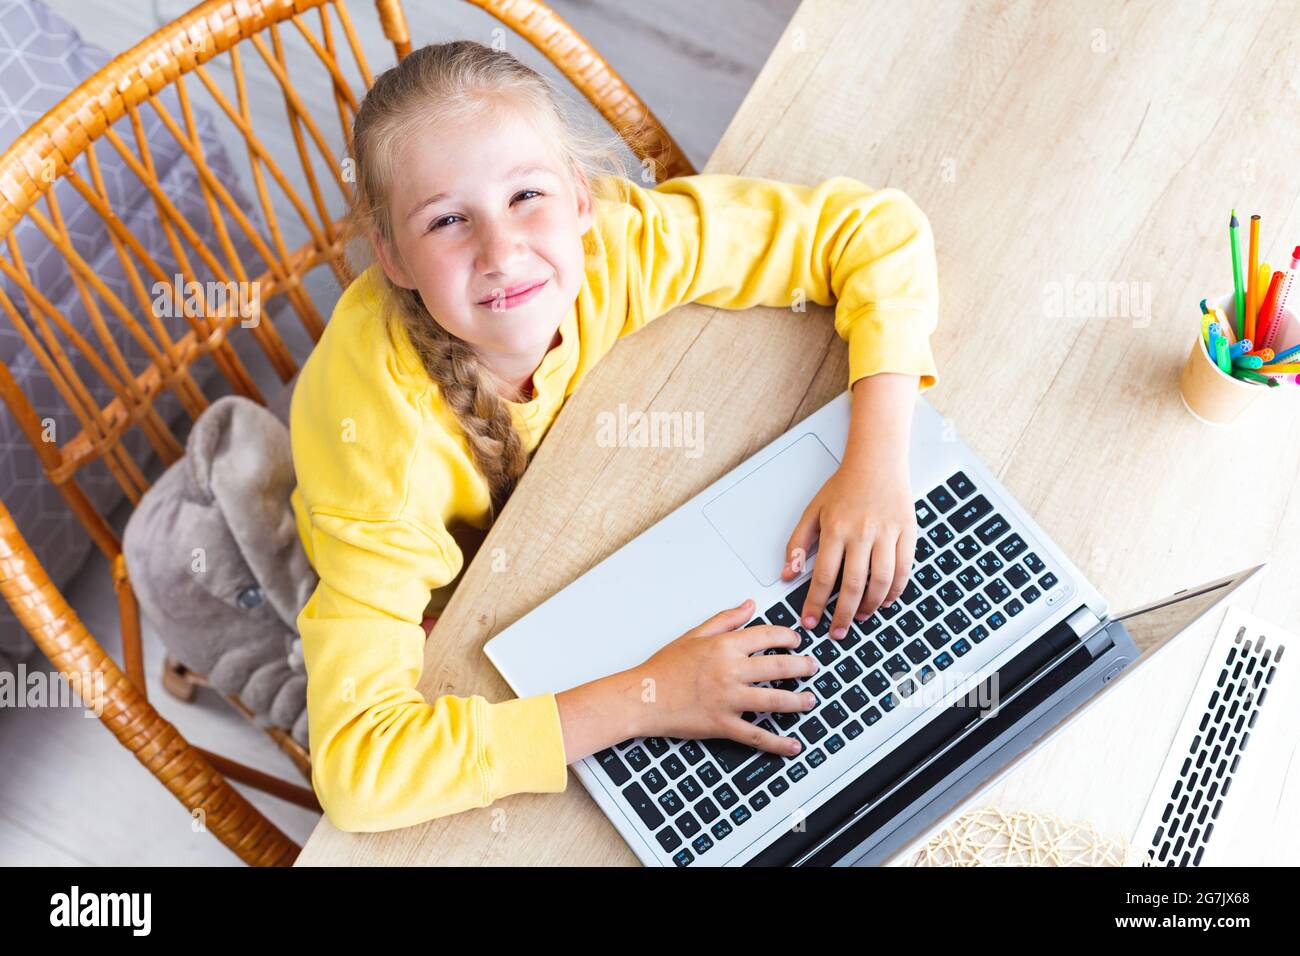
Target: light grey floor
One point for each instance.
(69, 793)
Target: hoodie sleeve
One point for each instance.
(382, 756)
(737, 242)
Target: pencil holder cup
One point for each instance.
(1217, 398)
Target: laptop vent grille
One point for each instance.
(1216, 751)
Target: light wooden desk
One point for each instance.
(1052, 145)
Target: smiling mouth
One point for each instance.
(514, 295)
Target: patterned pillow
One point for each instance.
(42, 58)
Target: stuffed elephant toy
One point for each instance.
(217, 564)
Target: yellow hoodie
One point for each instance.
(387, 491)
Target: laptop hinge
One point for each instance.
(1083, 622)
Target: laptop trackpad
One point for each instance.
(757, 516)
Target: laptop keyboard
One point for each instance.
(972, 574)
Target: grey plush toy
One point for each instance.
(216, 561)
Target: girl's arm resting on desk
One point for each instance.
(382, 756)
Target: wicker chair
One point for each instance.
(174, 57)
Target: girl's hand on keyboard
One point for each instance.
(698, 686)
(862, 519)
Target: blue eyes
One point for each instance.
(451, 218)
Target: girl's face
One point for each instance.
(488, 227)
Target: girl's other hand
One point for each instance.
(863, 520)
(699, 685)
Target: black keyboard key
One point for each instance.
(871, 716)
(707, 810)
(852, 729)
(827, 686)
(896, 665)
(781, 616)
(989, 563)
(868, 653)
(925, 674)
(709, 775)
(778, 786)
(720, 829)
(729, 754)
(855, 698)
(798, 596)
(614, 768)
(834, 743)
(702, 843)
(924, 549)
(947, 562)
(969, 513)
(940, 534)
(813, 730)
(909, 623)
(684, 858)
(1016, 576)
(957, 621)
(872, 624)
(1031, 594)
(978, 605)
(671, 803)
(997, 591)
(995, 620)
(637, 759)
(960, 647)
(950, 593)
(930, 608)
(691, 789)
(1034, 563)
(692, 751)
(797, 773)
(1047, 581)
(688, 825)
(653, 780)
(816, 758)
(925, 514)
(970, 579)
(834, 713)
(848, 670)
(993, 529)
(759, 800)
(668, 839)
(740, 815)
(656, 745)
(916, 652)
(888, 702)
(876, 683)
(1012, 547)
(891, 610)
(889, 638)
(943, 661)
(645, 807)
(673, 766)
(927, 577)
(937, 636)
(967, 548)
(826, 652)
(725, 796)
(978, 633)
(942, 500)
(1013, 607)
(756, 772)
(907, 688)
(961, 485)
(786, 719)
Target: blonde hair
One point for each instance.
(435, 84)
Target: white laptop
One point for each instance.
(996, 635)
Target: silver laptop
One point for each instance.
(996, 635)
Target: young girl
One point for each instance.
(507, 266)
